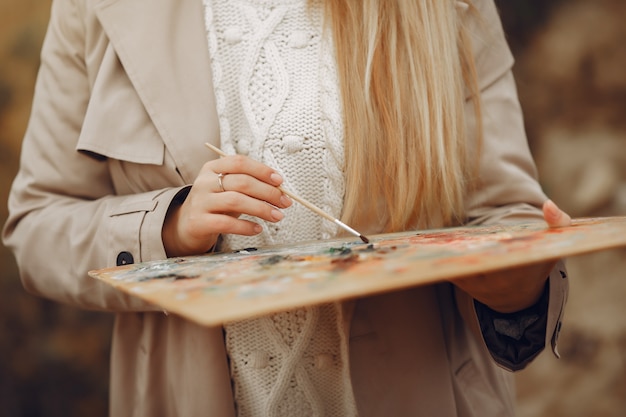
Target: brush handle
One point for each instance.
(301, 200)
(322, 213)
(306, 204)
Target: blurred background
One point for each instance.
(571, 74)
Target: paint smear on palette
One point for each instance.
(221, 287)
(257, 272)
(252, 273)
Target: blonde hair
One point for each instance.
(404, 67)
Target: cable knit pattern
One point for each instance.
(277, 96)
(278, 102)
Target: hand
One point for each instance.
(518, 288)
(249, 187)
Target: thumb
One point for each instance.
(554, 216)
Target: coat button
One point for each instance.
(125, 258)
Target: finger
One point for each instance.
(554, 216)
(200, 233)
(250, 186)
(238, 164)
(230, 202)
(232, 225)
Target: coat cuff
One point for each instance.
(135, 226)
(515, 339)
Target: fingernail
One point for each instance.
(285, 201)
(276, 178)
(258, 228)
(277, 215)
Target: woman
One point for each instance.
(394, 115)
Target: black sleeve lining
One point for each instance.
(514, 339)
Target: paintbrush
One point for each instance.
(306, 204)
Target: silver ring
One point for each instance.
(220, 177)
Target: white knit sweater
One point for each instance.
(277, 96)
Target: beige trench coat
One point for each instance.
(123, 105)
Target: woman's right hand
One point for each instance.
(249, 187)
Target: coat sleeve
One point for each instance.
(507, 185)
(64, 217)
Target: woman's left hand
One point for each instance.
(515, 289)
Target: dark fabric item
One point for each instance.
(514, 339)
(180, 196)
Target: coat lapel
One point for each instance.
(162, 46)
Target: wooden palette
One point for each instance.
(218, 288)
